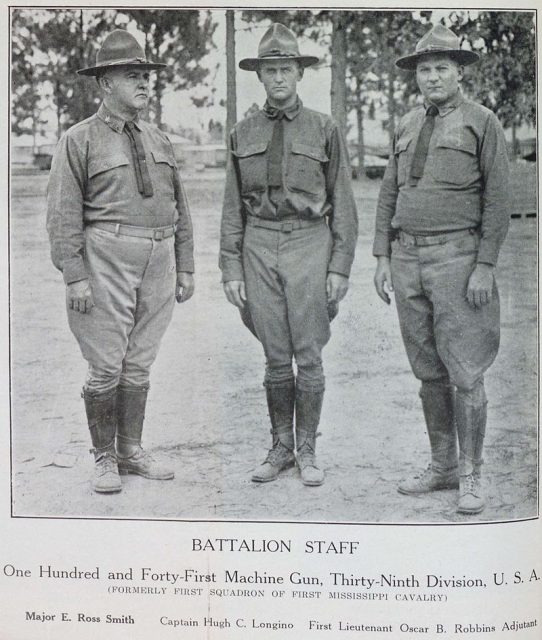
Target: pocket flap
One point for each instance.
(163, 157)
(308, 150)
(402, 144)
(252, 149)
(458, 143)
(99, 165)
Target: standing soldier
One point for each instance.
(442, 215)
(121, 234)
(289, 231)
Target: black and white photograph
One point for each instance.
(273, 265)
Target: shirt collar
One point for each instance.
(113, 120)
(290, 114)
(453, 104)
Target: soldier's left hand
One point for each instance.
(336, 286)
(185, 286)
(480, 286)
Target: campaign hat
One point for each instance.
(120, 49)
(277, 43)
(438, 40)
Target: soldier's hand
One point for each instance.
(382, 279)
(185, 286)
(235, 292)
(336, 286)
(79, 296)
(480, 286)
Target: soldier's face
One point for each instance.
(438, 78)
(280, 78)
(127, 89)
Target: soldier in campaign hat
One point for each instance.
(442, 216)
(121, 234)
(288, 235)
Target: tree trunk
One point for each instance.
(392, 107)
(359, 120)
(514, 141)
(338, 70)
(231, 95)
(361, 141)
(58, 111)
(158, 92)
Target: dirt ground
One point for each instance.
(206, 408)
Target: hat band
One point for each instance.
(437, 47)
(121, 61)
(279, 54)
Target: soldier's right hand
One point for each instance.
(235, 292)
(383, 279)
(79, 296)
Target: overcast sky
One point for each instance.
(313, 89)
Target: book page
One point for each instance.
(210, 553)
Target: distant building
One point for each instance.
(203, 155)
(27, 152)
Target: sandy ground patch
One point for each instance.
(206, 408)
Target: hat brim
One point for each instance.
(253, 64)
(149, 66)
(463, 56)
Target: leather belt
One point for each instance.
(408, 239)
(286, 226)
(158, 233)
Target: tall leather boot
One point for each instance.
(102, 424)
(280, 403)
(308, 407)
(132, 458)
(438, 407)
(471, 418)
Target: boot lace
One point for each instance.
(108, 463)
(278, 455)
(470, 485)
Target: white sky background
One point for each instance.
(313, 89)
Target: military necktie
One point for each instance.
(274, 155)
(422, 146)
(144, 184)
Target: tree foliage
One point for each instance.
(50, 45)
(504, 78)
(54, 44)
(180, 38)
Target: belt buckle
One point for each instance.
(158, 234)
(407, 239)
(287, 227)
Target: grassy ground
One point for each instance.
(207, 408)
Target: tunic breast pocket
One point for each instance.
(109, 177)
(403, 152)
(455, 161)
(252, 161)
(162, 174)
(306, 169)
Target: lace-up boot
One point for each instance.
(280, 403)
(132, 458)
(471, 417)
(101, 416)
(308, 407)
(438, 408)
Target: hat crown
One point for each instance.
(439, 38)
(119, 45)
(278, 41)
